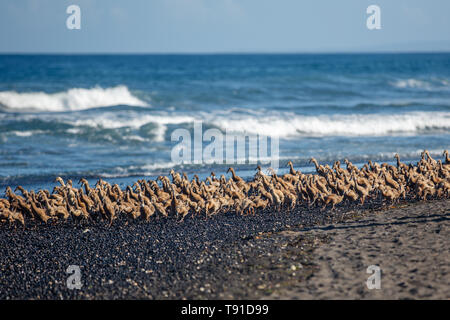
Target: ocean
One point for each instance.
(112, 116)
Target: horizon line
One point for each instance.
(232, 52)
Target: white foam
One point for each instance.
(135, 121)
(279, 124)
(70, 100)
(284, 125)
(432, 84)
(130, 120)
(344, 125)
(28, 133)
(135, 138)
(144, 170)
(411, 83)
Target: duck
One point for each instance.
(427, 179)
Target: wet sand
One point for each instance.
(410, 244)
(307, 253)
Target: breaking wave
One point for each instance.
(341, 125)
(71, 100)
(137, 126)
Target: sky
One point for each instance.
(223, 26)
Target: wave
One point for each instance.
(280, 124)
(286, 125)
(152, 126)
(429, 85)
(131, 120)
(71, 100)
(340, 125)
(139, 127)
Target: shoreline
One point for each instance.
(225, 257)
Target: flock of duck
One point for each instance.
(179, 197)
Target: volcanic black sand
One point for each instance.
(306, 253)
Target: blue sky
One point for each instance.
(210, 26)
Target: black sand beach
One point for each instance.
(224, 150)
(307, 253)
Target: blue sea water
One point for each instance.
(112, 116)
